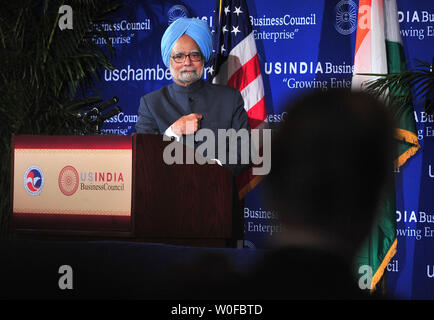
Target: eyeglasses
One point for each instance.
(180, 57)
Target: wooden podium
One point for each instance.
(119, 188)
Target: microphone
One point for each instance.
(110, 114)
(96, 110)
(83, 104)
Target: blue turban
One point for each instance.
(195, 28)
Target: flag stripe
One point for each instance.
(362, 56)
(244, 51)
(363, 22)
(246, 74)
(253, 93)
(362, 63)
(378, 39)
(392, 27)
(238, 56)
(396, 59)
(257, 114)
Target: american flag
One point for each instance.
(235, 63)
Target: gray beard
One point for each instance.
(187, 77)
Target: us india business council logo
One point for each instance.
(68, 180)
(346, 17)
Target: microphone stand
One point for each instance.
(93, 119)
(103, 117)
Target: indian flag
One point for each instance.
(379, 50)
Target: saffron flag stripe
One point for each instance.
(362, 56)
(363, 24)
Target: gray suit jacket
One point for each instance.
(222, 107)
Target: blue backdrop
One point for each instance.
(301, 44)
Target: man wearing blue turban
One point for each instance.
(186, 47)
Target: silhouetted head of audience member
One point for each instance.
(331, 160)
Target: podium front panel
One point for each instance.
(72, 183)
(179, 201)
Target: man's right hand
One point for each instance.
(187, 124)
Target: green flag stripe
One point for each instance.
(395, 57)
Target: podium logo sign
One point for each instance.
(68, 180)
(34, 180)
(87, 176)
